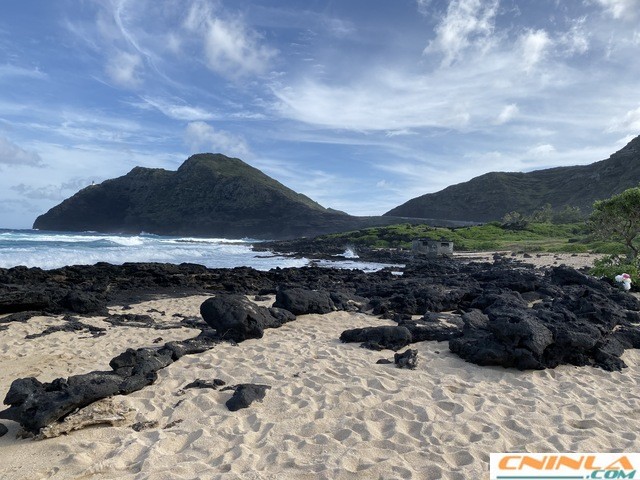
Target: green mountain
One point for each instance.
(490, 196)
(209, 195)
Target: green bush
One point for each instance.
(608, 248)
(613, 265)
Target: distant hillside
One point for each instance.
(209, 195)
(490, 196)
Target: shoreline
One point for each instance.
(331, 411)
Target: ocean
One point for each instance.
(48, 250)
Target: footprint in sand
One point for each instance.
(584, 424)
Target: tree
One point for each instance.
(618, 219)
(568, 215)
(543, 214)
(514, 221)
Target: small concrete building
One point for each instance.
(432, 248)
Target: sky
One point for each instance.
(358, 104)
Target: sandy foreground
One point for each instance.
(332, 412)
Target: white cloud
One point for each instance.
(231, 48)
(123, 69)
(383, 101)
(620, 8)
(462, 97)
(174, 43)
(466, 22)
(535, 45)
(8, 70)
(200, 136)
(12, 154)
(629, 123)
(423, 6)
(51, 191)
(400, 132)
(48, 192)
(576, 39)
(507, 114)
(178, 112)
(339, 28)
(543, 150)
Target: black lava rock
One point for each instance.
(301, 301)
(235, 317)
(379, 338)
(406, 359)
(245, 394)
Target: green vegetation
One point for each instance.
(618, 219)
(613, 265)
(533, 237)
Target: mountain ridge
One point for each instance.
(490, 196)
(208, 195)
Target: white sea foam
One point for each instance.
(49, 250)
(350, 252)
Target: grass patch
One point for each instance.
(535, 237)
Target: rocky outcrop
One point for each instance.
(566, 318)
(36, 405)
(301, 301)
(379, 338)
(236, 318)
(500, 313)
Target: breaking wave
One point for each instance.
(47, 250)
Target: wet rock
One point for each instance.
(379, 338)
(245, 394)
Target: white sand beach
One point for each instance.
(331, 412)
(541, 259)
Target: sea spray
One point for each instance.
(48, 250)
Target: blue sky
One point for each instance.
(359, 104)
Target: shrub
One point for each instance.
(613, 265)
